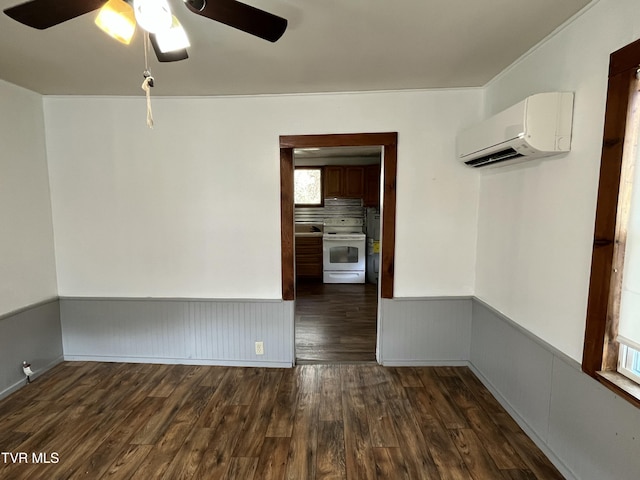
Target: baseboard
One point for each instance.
(176, 361)
(23, 383)
(425, 363)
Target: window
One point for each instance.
(612, 336)
(629, 363)
(307, 184)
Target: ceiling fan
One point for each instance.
(42, 14)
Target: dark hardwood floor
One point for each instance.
(335, 322)
(311, 422)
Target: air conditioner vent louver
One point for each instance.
(538, 126)
(496, 157)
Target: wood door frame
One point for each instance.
(600, 352)
(389, 142)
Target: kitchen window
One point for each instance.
(307, 184)
(612, 336)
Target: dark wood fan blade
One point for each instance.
(43, 14)
(241, 16)
(174, 56)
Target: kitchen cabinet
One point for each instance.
(309, 257)
(344, 181)
(353, 181)
(371, 186)
(333, 181)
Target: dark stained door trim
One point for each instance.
(389, 142)
(600, 351)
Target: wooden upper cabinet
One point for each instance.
(371, 186)
(354, 182)
(344, 181)
(333, 181)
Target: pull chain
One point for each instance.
(147, 83)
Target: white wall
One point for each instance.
(192, 207)
(535, 226)
(27, 266)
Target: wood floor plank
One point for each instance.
(10, 439)
(330, 393)
(528, 451)
(408, 377)
(478, 461)
(241, 468)
(443, 451)
(188, 458)
(174, 399)
(246, 383)
(98, 460)
(40, 440)
(217, 457)
(284, 410)
(173, 376)
(418, 458)
(211, 423)
(31, 418)
(447, 371)
(304, 437)
(359, 459)
(458, 392)
(493, 440)
(390, 464)
(255, 427)
(439, 398)
(330, 463)
(138, 384)
(219, 401)
(381, 425)
(272, 463)
(127, 462)
(163, 453)
(519, 475)
(213, 376)
(194, 405)
(487, 401)
(93, 430)
(69, 380)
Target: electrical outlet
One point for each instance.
(259, 348)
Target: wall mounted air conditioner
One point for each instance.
(539, 126)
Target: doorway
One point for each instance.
(338, 308)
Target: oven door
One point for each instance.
(343, 252)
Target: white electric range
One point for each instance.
(343, 250)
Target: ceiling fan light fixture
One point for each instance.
(153, 15)
(173, 38)
(197, 5)
(116, 18)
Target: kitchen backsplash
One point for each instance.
(333, 207)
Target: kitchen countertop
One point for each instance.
(309, 229)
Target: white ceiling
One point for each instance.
(330, 45)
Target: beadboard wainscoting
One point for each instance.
(31, 334)
(184, 331)
(586, 431)
(424, 331)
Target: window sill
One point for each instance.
(621, 385)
